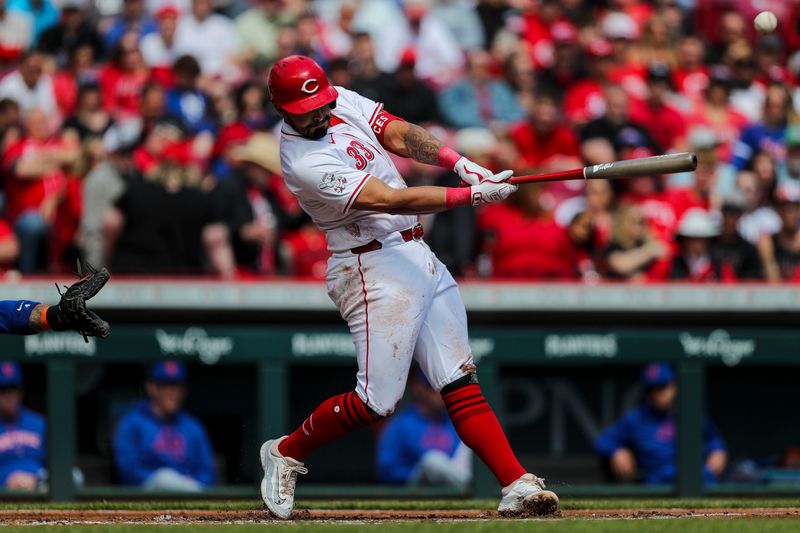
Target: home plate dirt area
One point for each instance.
(166, 516)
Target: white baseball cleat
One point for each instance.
(280, 476)
(527, 496)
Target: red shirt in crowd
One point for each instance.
(664, 123)
(691, 83)
(536, 148)
(663, 224)
(537, 34)
(146, 162)
(584, 101)
(67, 220)
(632, 78)
(727, 126)
(658, 212)
(685, 198)
(6, 233)
(308, 249)
(65, 89)
(24, 194)
(231, 135)
(121, 90)
(526, 247)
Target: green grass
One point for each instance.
(756, 525)
(567, 504)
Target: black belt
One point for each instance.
(416, 233)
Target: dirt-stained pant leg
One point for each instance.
(384, 296)
(442, 349)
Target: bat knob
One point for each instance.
(693, 159)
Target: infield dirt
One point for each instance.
(186, 517)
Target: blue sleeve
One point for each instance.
(203, 467)
(172, 104)
(744, 148)
(43, 452)
(459, 108)
(616, 436)
(15, 316)
(150, 25)
(207, 123)
(390, 466)
(508, 109)
(127, 455)
(114, 33)
(712, 440)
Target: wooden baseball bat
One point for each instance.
(628, 168)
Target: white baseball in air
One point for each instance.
(765, 22)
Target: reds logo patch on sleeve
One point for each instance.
(353, 229)
(331, 181)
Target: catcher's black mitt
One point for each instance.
(71, 311)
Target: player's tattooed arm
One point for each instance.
(421, 145)
(409, 140)
(35, 320)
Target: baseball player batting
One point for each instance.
(398, 299)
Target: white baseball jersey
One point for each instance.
(326, 175)
(399, 301)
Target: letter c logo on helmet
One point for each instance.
(297, 84)
(310, 90)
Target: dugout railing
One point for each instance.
(272, 326)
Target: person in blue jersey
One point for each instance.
(768, 135)
(420, 446)
(27, 317)
(22, 435)
(157, 444)
(641, 445)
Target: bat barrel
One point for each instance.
(630, 168)
(645, 166)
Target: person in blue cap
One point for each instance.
(418, 445)
(158, 445)
(641, 444)
(22, 435)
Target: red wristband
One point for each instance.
(458, 196)
(45, 325)
(448, 157)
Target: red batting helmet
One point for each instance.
(297, 84)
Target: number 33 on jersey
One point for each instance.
(327, 174)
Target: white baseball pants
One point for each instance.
(400, 302)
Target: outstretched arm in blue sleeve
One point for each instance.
(20, 317)
(26, 317)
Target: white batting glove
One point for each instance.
(493, 189)
(471, 173)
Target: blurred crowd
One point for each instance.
(138, 134)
